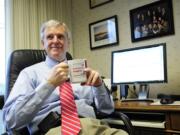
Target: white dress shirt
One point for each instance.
(32, 98)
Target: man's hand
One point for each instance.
(93, 78)
(59, 74)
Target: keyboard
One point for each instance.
(137, 100)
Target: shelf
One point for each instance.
(149, 124)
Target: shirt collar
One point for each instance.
(51, 62)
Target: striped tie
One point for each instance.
(70, 122)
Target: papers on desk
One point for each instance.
(157, 102)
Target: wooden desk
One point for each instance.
(171, 113)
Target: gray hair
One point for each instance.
(53, 23)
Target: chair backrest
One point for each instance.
(19, 59)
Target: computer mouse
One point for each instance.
(166, 101)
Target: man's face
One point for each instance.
(55, 42)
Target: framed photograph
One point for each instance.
(152, 20)
(97, 3)
(104, 33)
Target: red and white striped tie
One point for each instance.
(70, 122)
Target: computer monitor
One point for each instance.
(141, 65)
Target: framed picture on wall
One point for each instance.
(104, 33)
(152, 20)
(97, 3)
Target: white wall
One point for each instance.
(100, 59)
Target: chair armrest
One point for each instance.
(118, 115)
(53, 119)
(126, 121)
(23, 131)
(1, 101)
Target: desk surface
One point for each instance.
(144, 106)
(171, 113)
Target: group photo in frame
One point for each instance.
(104, 33)
(152, 20)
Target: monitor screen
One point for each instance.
(145, 64)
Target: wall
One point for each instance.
(100, 59)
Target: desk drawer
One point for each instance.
(175, 121)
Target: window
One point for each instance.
(2, 47)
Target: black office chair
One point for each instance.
(1, 101)
(20, 59)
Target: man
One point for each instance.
(35, 93)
